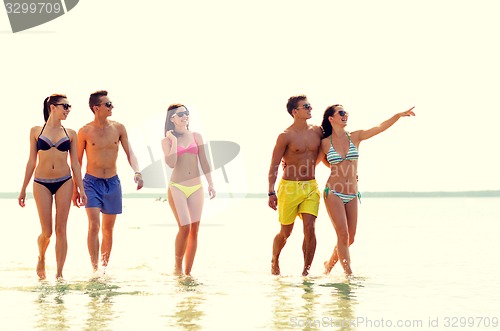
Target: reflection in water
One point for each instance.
(309, 304)
(187, 315)
(53, 315)
(339, 309)
(100, 306)
(283, 307)
(52, 312)
(319, 307)
(287, 314)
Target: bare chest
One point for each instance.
(107, 138)
(304, 144)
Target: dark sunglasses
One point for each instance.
(182, 113)
(65, 105)
(343, 113)
(107, 104)
(306, 106)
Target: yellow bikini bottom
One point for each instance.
(187, 190)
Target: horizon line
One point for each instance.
(370, 194)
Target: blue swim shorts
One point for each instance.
(103, 193)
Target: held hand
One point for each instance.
(170, 135)
(138, 180)
(273, 201)
(76, 198)
(21, 199)
(83, 199)
(79, 198)
(211, 192)
(409, 112)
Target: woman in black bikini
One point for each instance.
(51, 144)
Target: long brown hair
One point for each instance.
(326, 125)
(52, 100)
(169, 125)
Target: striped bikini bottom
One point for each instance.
(346, 198)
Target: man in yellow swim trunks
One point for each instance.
(297, 148)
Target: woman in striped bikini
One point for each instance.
(339, 151)
(183, 151)
(50, 145)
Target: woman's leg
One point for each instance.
(178, 203)
(43, 199)
(352, 221)
(63, 204)
(337, 212)
(352, 218)
(195, 205)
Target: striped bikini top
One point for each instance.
(334, 157)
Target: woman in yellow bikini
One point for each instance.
(339, 150)
(183, 151)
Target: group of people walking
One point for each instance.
(299, 149)
(100, 189)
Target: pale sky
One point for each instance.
(235, 63)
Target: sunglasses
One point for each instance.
(107, 104)
(182, 113)
(343, 113)
(65, 105)
(306, 106)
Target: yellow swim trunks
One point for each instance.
(295, 198)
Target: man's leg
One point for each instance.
(309, 244)
(93, 215)
(278, 244)
(108, 224)
(111, 206)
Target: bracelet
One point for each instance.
(138, 174)
(271, 193)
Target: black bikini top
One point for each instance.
(43, 143)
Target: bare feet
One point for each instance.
(40, 268)
(328, 267)
(95, 265)
(105, 259)
(275, 267)
(178, 265)
(305, 272)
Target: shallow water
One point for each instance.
(418, 264)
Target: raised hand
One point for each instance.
(409, 112)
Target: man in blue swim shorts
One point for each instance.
(298, 195)
(100, 141)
